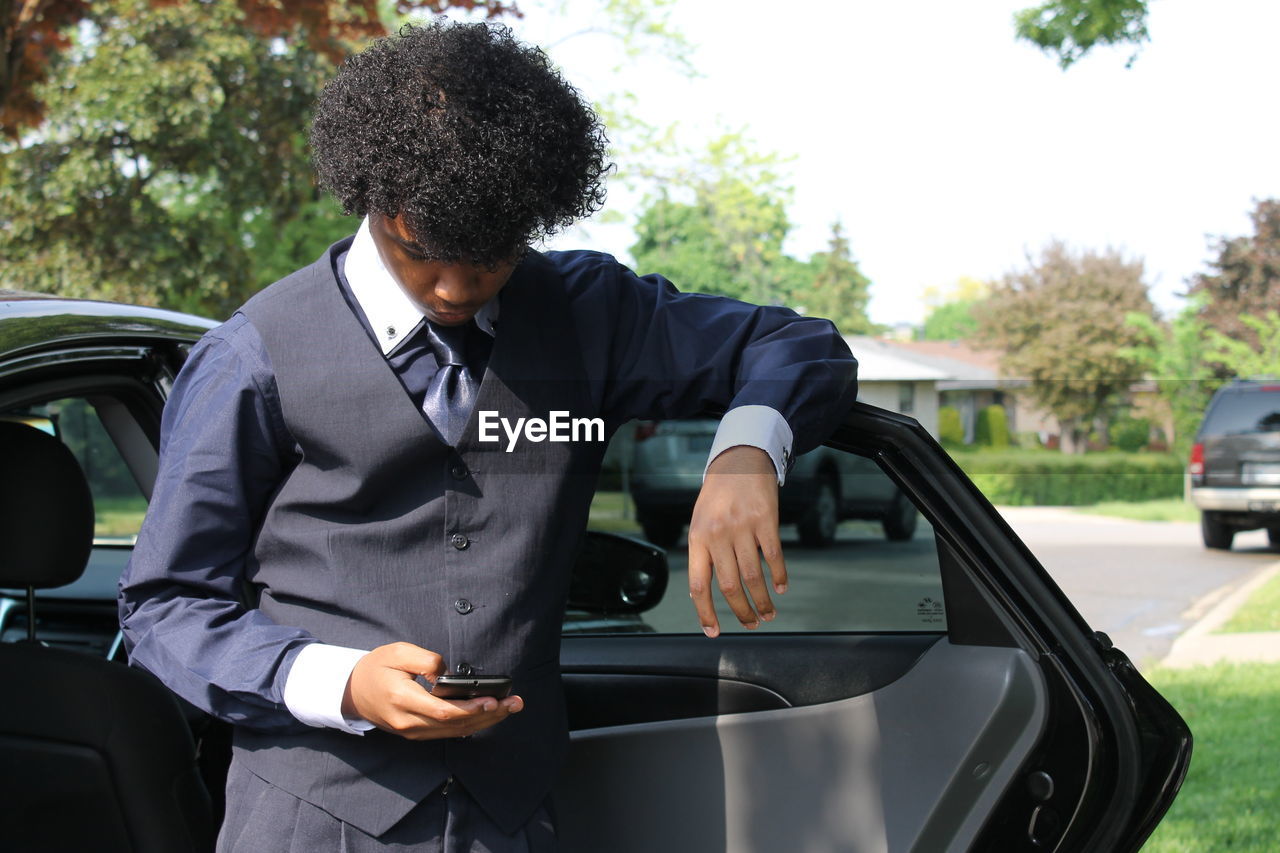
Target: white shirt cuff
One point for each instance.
(315, 684)
(754, 426)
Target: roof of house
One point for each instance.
(987, 359)
(897, 361)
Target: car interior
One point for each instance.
(87, 737)
(891, 706)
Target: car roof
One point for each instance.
(1253, 384)
(39, 320)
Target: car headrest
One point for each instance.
(46, 511)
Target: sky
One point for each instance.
(949, 149)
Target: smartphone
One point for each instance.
(472, 686)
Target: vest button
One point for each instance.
(463, 606)
(463, 669)
(459, 472)
(459, 541)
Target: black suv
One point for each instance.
(1235, 463)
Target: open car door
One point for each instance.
(933, 694)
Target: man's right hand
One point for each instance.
(382, 690)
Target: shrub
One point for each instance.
(992, 429)
(950, 429)
(1046, 478)
(1028, 438)
(1130, 434)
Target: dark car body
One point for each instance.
(822, 487)
(986, 715)
(1235, 463)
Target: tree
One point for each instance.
(34, 34)
(728, 242)
(634, 28)
(1244, 277)
(1250, 360)
(727, 238)
(1175, 355)
(951, 321)
(837, 289)
(1069, 29)
(952, 316)
(1061, 324)
(171, 164)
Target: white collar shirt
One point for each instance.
(392, 315)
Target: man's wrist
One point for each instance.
(755, 426)
(316, 684)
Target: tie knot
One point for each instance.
(449, 343)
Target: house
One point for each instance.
(917, 378)
(893, 377)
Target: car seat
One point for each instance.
(96, 755)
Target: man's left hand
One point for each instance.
(735, 521)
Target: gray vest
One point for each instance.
(382, 533)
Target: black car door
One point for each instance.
(934, 694)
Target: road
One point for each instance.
(1143, 583)
(860, 583)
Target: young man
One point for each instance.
(329, 530)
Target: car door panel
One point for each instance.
(803, 669)
(915, 764)
(604, 700)
(611, 681)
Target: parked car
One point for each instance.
(1235, 463)
(928, 695)
(823, 487)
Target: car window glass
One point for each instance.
(1238, 412)
(118, 503)
(859, 556)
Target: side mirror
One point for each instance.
(616, 574)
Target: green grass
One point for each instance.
(116, 517)
(1164, 509)
(613, 512)
(1231, 798)
(1260, 613)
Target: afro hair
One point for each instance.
(471, 137)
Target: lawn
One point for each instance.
(1260, 613)
(613, 512)
(1165, 509)
(1231, 799)
(118, 517)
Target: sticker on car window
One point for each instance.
(930, 611)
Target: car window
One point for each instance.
(1237, 412)
(859, 556)
(119, 504)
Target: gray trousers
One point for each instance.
(262, 818)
